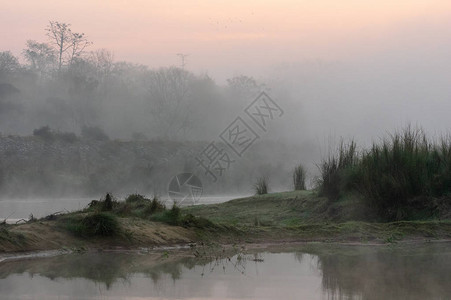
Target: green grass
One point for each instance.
(276, 209)
(280, 209)
(135, 205)
(11, 237)
(93, 224)
(404, 177)
(176, 217)
(302, 215)
(334, 168)
(299, 177)
(261, 186)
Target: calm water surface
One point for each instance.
(307, 272)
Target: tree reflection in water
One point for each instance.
(343, 272)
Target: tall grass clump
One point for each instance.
(299, 177)
(261, 186)
(333, 169)
(402, 177)
(403, 172)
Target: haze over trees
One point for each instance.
(76, 102)
(67, 85)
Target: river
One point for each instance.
(311, 271)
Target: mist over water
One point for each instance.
(167, 104)
(104, 116)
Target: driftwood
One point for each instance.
(53, 216)
(4, 221)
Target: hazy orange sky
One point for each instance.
(226, 37)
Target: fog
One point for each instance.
(116, 113)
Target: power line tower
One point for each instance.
(183, 57)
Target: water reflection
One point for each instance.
(408, 272)
(307, 272)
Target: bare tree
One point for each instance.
(67, 43)
(79, 42)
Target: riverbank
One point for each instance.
(286, 217)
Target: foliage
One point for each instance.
(299, 177)
(107, 203)
(398, 178)
(47, 134)
(261, 186)
(155, 206)
(94, 224)
(133, 198)
(44, 132)
(94, 133)
(8, 63)
(190, 220)
(332, 170)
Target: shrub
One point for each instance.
(172, 216)
(94, 133)
(108, 203)
(261, 186)
(44, 132)
(67, 137)
(97, 224)
(299, 176)
(155, 206)
(134, 198)
(191, 221)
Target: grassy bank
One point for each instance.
(299, 216)
(133, 222)
(303, 216)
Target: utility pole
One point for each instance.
(183, 57)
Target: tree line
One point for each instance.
(67, 85)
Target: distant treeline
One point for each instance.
(70, 87)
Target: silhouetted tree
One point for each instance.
(8, 63)
(168, 94)
(67, 43)
(40, 56)
(243, 86)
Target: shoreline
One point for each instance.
(279, 218)
(181, 249)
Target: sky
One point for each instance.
(226, 38)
